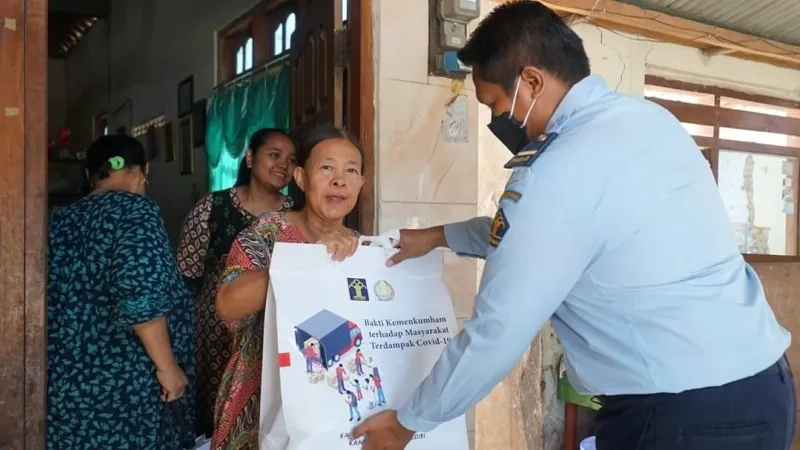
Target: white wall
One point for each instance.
(624, 60)
(152, 46)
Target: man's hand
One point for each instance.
(382, 432)
(416, 243)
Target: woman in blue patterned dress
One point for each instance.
(119, 353)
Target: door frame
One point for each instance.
(23, 213)
(361, 115)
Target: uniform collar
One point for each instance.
(583, 93)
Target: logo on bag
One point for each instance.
(384, 291)
(358, 289)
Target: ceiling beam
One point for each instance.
(100, 9)
(718, 51)
(657, 25)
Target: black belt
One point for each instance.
(779, 368)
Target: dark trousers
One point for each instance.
(756, 413)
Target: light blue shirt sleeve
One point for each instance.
(543, 251)
(470, 237)
(618, 234)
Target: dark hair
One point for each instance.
(105, 148)
(524, 33)
(257, 140)
(306, 142)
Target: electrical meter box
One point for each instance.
(460, 10)
(453, 34)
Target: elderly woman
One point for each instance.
(119, 317)
(329, 174)
(209, 231)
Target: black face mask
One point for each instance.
(509, 131)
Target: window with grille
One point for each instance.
(259, 36)
(752, 144)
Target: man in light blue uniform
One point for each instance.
(611, 226)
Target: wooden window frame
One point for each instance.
(259, 23)
(719, 117)
(276, 18)
(359, 107)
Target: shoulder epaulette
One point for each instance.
(528, 155)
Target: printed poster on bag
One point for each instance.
(355, 338)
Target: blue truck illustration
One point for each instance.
(336, 336)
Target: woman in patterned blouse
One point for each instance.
(330, 177)
(120, 365)
(206, 237)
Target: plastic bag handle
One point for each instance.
(378, 241)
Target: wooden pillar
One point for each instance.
(23, 205)
(360, 89)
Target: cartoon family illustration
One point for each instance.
(372, 385)
(327, 341)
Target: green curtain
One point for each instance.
(235, 113)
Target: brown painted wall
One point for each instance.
(782, 284)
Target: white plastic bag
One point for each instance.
(204, 445)
(272, 430)
(343, 341)
(588, 443)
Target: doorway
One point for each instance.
(326, 45)
(23, 188)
